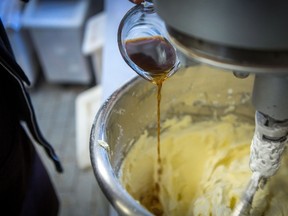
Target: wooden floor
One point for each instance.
(77, 189)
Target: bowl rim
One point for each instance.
(110, 185)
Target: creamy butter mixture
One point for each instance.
(205, 169)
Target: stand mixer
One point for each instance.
(244, 37)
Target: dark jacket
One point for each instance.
(25, 187)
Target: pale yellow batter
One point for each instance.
(205, 169)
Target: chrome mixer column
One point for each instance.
(270, 95)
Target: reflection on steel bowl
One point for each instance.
(208, 109)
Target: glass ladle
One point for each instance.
(144, 44)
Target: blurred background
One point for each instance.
(68, 49)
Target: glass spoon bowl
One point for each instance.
(144, 44)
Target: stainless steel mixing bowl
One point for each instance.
(199, 91)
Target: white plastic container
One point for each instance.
(93, 43)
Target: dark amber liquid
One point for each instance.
(156, 56)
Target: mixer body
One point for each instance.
(240, 36)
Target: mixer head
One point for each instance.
(249, 36)
(240, 36)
